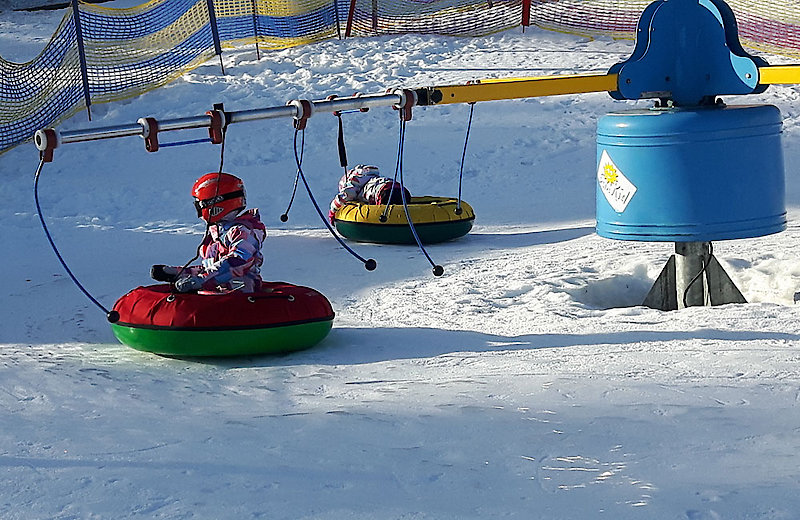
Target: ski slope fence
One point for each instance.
(100, 54)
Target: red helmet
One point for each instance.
(216, 195)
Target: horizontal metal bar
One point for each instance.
(184, 123)
(481, 90)
(108, 132)
(261, 113)
(357, 102)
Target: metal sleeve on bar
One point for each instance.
(150, 128)
(46, 139)
(303, 110)
(217, 125)
(261, 113)
(408, 98)
(357, 102)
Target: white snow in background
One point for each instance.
(527, 382)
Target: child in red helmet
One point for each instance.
(365, 184)
(231, 248)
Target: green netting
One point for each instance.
(130, 51)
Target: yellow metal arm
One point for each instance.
(779, 75)
(515, 88)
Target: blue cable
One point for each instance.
(369, 264)
(463, 155)
(438, 270)
(285, 215)
(111, 316)
(181, 143)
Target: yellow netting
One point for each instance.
(133, 50)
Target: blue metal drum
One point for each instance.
(694, 174)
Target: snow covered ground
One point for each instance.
(526, 382)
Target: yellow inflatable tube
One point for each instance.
(435, 219)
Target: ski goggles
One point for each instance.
(201, 204)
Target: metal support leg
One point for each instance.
(691, 258)
(692, 277)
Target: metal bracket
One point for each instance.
(46, 141)
(408, 98)
(305, 109)
(149, 133)
(219, 123)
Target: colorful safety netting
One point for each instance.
(126, 52)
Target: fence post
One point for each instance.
(526, 14)
(76, 17)
(255, 28)
(336, 14)
(212, 19)
(350, 13)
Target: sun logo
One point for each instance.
(610, 173)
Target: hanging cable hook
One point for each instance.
(112, 316)
(285, 214)
(217, 131)
(304, 110)
(299, 126)
(459, 210)
(408, 98)
(438, 270)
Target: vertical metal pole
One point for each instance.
(255, 28)
(526, 14)
(336, 14)
(691, 258)
(375, 15)
(76, 17)
(350, 14)
(212, 19)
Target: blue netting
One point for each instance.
(130, 51)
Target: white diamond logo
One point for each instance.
(617, 189)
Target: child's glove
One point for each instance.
(331, 215)
(163, 273)
(188, 283)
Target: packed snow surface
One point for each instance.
(526, 382)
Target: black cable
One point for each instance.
(438, 270)
(369, 264)
(698, 275)
(458, 209)
(385, 215)
(111, 316)
(285, 215)
(224, 131)
(340, 144)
